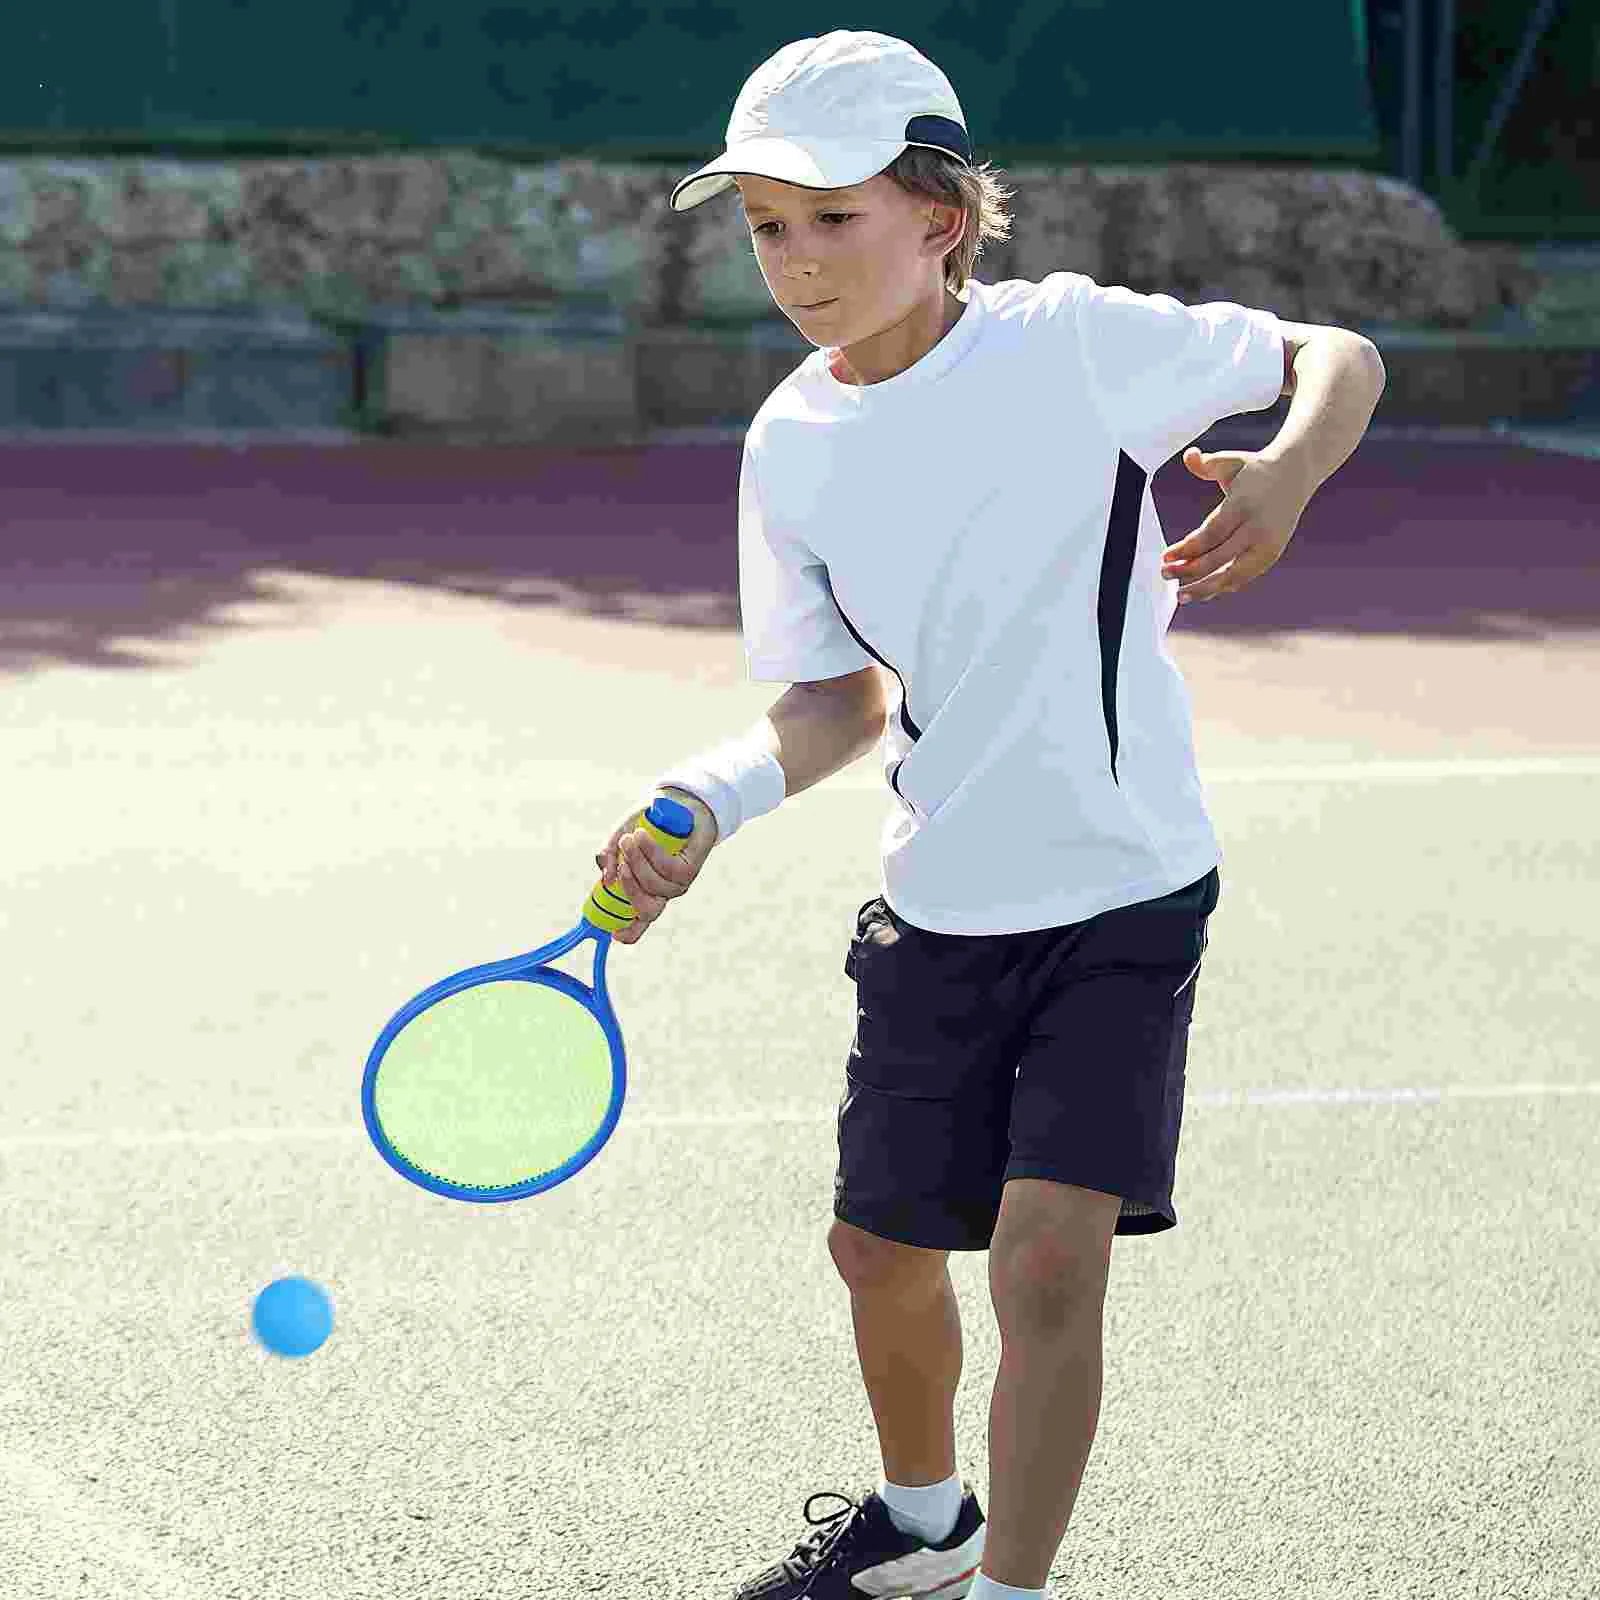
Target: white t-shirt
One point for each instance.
(981, 524)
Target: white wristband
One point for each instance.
(739, 781)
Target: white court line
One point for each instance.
(1386, 1097)
(1574, 766)
(1220, 1098)
(1444, 769)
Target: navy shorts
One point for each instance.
(1057, 1053)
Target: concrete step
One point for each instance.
(579, 379)
(1440, 376)
(105, 369)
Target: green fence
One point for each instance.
(1086, 79)
(1490, 105)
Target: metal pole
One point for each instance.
(169, 26)
(167, 23)
(1512, 87)
(1411, 96)
(1444, 95)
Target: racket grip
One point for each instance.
(669, 824)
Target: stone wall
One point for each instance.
(347, 237)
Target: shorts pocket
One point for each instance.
(873, 911)
(1162, 941)
(932, 1015)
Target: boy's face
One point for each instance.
(875, 268)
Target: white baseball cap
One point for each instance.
(832, 112)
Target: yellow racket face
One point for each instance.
(506, 1079)
(499, 1089)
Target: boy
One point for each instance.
(955, 491)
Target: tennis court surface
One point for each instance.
(286, 733)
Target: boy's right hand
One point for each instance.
(632, 861)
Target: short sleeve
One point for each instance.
(793, 632)
(1164, 371)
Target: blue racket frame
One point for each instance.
(530, 968)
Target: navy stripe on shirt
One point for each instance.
(905, 712)
(1116, 578)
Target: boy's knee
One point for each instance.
(868, 1262)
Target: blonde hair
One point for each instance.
(977, 190)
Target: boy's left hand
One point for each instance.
(1245, 535)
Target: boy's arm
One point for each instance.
(813, 729)
(816, 729)
(1336, 378)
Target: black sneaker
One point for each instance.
(858, 1551)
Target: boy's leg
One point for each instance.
(1095, 1120)
(908, 1337)
(1048, 1265)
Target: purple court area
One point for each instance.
(107, 541)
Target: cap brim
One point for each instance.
(820, 166)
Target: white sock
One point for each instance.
(928, 1511)
(985, 1588)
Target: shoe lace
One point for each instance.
(831, 1534)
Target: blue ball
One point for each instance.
(292, 1316)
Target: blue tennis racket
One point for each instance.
(505, 1079)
